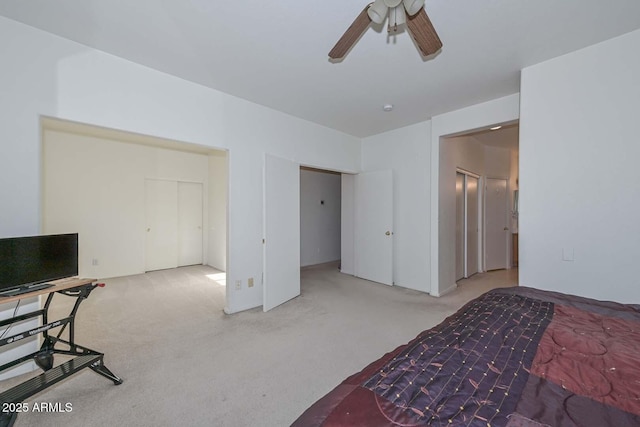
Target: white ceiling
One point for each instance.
(274, 52)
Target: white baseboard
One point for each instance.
(446, 291)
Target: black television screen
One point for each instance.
(29, 260)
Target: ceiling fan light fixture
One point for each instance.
(396, 18)
(418, 25)
(392, 3)
(378, 11)
(413, 6)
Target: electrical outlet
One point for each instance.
(94, 261)
(250, 282)
(238, 284)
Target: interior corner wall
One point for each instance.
(501, 110)
(43, 74)
(579, 192)
(218, 205)
(320, 199)
(406, 151)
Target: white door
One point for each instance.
(497, 229)
(374, 226)
(460, 225)
(282, 231)
(189, 223)
(161, 211)
(472, 226)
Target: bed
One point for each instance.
(515, 357)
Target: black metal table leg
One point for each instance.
(7, 419)
(99, 368)
(82, 357)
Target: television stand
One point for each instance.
(82, 357)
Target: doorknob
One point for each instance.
(388, 233)
(506, 229)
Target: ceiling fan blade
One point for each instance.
(352, 35)
(423, 33)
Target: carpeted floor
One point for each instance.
(186, 363)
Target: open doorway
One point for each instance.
(320, 216)
(301, 215)
(351, 193)
(487, 159)
(139, 203)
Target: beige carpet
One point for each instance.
(185, 363)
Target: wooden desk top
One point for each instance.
(58, 285)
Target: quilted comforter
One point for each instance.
(512, 357)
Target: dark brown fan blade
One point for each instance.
(423, 33)
(352, 35)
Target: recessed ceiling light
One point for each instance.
(496, 127)
(387, 107)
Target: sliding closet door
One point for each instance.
(472, 225)
(189, 223)
(174, 213)
(161, 211)
(460, 225)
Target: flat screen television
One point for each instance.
(27, 261)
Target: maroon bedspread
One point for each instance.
(512, 357)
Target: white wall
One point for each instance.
(501, 110)
(347, 223)
(463, 152)
(579, 187)
(218, 203)
(95, 186)
(497, 162)
(406, 152)
(46, 75)
(319, 222)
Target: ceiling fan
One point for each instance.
(400, 12)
